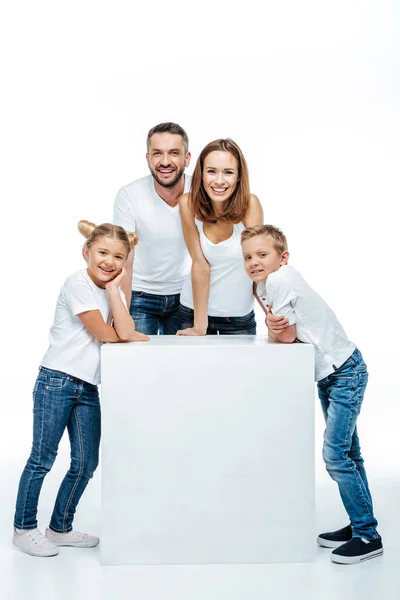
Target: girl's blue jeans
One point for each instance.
(60, 401)
(341, 395)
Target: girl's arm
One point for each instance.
(124, 325)
(254, 215)
(94, 323)
(200, 271)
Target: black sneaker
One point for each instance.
(357, 550)
(334, 539)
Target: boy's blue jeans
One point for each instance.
(155, 314)
(341, 395)
(60, 401)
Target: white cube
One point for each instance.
(207, 451)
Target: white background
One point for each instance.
(309, 90)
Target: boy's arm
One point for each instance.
(287, 335)
(282, 322)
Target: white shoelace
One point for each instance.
(38, 537)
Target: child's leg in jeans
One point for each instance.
(51, 413)
(355, 450)
(84, 435)
(341, 395)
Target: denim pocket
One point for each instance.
(57, 383)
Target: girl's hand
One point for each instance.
(190, 331)
(139, 337)
(114, 283)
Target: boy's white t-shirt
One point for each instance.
(73, 349)
(162, 260)
(292, 297)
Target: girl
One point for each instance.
(90, 310)
(218, 296)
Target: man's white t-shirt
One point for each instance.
(162, 260)
(73, 349)
(292, 297)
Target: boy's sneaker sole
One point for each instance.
(334, 539)
(351, 560)
(357, 550)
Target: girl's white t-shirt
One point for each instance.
(231, 289)
(162, 260)
(73, 349)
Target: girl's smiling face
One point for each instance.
(105, 258)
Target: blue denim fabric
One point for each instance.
(245, 325)
(154, 314)
(60, 401)
(341, 395)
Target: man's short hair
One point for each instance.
(169, 128)
(269, 232)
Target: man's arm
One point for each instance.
(124, 217)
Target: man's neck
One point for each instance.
(171, 196)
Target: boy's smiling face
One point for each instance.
(261, 259)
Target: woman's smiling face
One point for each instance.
(220, 175)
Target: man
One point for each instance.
(150, 207)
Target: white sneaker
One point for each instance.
(72, 538)
(35, 543)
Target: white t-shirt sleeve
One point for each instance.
(281, 296)
(79, 297)
(124, 213)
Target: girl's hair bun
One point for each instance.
(86, 228)
(133, 238)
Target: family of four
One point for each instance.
(203, 256)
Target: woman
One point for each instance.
(218, 296)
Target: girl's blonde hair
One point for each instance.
(93, 232)
(238, 203)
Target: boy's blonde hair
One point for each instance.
(270, 232)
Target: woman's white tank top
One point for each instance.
(231, 289)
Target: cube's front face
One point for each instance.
(207, 452)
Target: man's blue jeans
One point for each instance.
(155, 314)
(60, 401)
(245, 325)
(341, 395)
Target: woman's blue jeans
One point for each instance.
(245, 325)
(341, 395)
(60, 401)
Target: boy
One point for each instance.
(341, 376)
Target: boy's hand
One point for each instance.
(276, 323)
